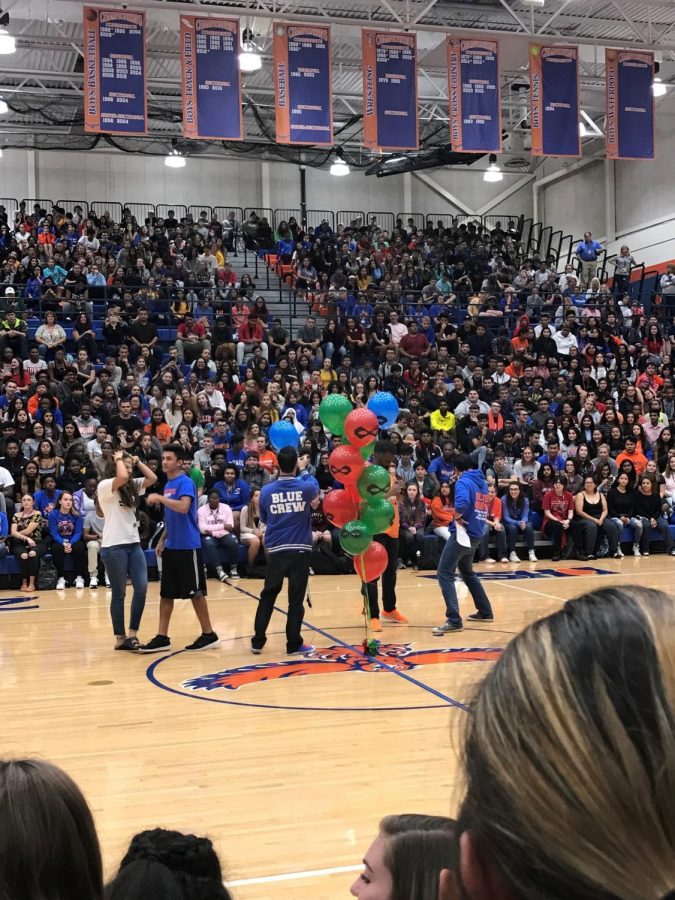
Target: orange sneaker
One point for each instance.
(375, 625)
(395, 618)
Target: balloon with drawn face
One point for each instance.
(361, 427)
(346, 464)
(373, 483)
(355, 537)
(339, 508)
(385, 407)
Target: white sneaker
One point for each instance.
(107, 580)
(532, 556)
(61, 584)
(93, 582)
(636, 550)
(513, 557)
(79, 582)
(504, 559)
(618, 554)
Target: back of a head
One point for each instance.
(287, 458)
(570, 754)
(418, 848)
(463, 462)
(168, 865)
(48, 843)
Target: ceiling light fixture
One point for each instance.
(658, 88)
(493, 172)
(174, 159)
(3, 108)
(339, 166)
(249, 58)
(7, 43)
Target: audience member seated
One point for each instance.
(252, 528)
(219, 545)
(65, 531)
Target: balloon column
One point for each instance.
(361, 510)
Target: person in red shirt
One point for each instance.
(649, 379)
(494, 523)
(558, 509)
(414, 345)
(251, 334)
(635, 456)
(191, 336)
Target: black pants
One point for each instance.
(29, 566)
(78, 555)
(294, 565)
(390, 544)
(409, 545)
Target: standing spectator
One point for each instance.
(587, 253)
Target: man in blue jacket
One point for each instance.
(285, 509)
(471, 508)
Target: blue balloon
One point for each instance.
(385, 407)
(283, 434)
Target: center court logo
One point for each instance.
(392, 659)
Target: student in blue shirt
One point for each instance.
(4, 531)
(180, 551)
(47, 499)
(234, 491)
(442, 468)
(65, 530)
(587, 253)
(286, 511)
(237, 454)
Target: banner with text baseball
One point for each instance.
(629, 75)
(209, 55)
(474, 95)
(114, 71)
(389, 90)
(302, 82)
(554, 98)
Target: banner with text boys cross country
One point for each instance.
(389, 90)
(302, 81)
(474, 95)
(114, 71)
(209, 55)
(554, 96)
(629, 76)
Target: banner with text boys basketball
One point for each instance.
(554, 97)
(209, 55)
(389, 90)
(114, 71)
(474, 95)
(302, 82)
(629, 76)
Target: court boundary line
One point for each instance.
(293, 876)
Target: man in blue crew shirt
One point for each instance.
(285, 509)
(180, 549)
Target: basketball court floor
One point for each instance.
(287, 764)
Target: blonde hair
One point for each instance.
(570, 753)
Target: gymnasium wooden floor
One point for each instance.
(288, 775)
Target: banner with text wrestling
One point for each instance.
(629, 75)
(474, 95)
(114, 71)
(389, 90)
(554, 97)
(209, 55)
(302, 83)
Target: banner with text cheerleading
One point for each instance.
(115, 97)
(302, 81)
(389, 90)
(209, 55)
(474, 95)
(554, 99)
(629, 75)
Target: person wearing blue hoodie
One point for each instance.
(471, 508)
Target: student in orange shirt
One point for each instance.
(494, 523)
(157, 427)
(632, 454)
(443, 510)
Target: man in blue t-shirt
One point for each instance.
(180, 551)
(443, 467)
(234, 491)
(285, 509)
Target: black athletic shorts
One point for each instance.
(182, 574)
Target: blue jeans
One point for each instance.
(220, 551)
(513, 533)
(120, 561)
(456, 557)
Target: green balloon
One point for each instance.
(355, 537)
(373, 483)
(333, 411)
(378, 515)
(367, 450)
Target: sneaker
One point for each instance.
(618, 554)
(256, 650)
(645, 552)
(490, 561)
(375, 626)
(480, 617)
(636, 550)
(303, 648)
(394, 617)
(672, 552)
(79, 582)
(233, 572)
(61, 584)
(532, 556)
(204, 642)
(504, 559)
(400, 564)
(311, 570)
(156, 645)
(107, 580)
(220, 573)
(513, 557)
(130, 643)
(446, 628)
(93, 582)
(555, 557)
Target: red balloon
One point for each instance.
(361, 427)
(370, 564)
(339, 508)
(346, 464)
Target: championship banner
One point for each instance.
(629, 76)
(474, 96)
(554, 96)
(114, 71)
(389, 90)
(209, 54)
(302, 82)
